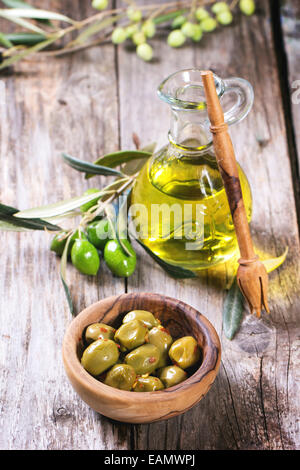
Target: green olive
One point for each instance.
(58, 243)
(98, 331)
(185, 352)
(197, 33)
(121, 376)
(188, 29)
(208, 24)
(144, 359)
(172, 375)
(100, 356)
(149, 28)
(247, 7)
(131, 29)
(85, 257)
(99, 232)
(225, 17)
(139, 38)
(161, 338)
(144, 316)
(148, 384)
(176, 38)
(100, 4)
(131, 334)
(178, 21)
(218, 7)
(118, 35)
(145, 52)
(78, 235)
(119, 263)
(201, 13)
(134, 14)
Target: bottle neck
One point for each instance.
(189, 130)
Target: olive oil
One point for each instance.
(191, 225)
(179, 205)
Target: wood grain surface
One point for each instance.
(89, 103)
(288, 47)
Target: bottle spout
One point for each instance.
(184, 92)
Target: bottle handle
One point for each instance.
(244, 99)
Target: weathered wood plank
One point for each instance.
(290, 72)
(255, 399)
(50, 106)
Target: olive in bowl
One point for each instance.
(98, 331)
(121, 376)
(126, 406)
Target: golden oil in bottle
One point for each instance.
(191, 225)
(179, 205)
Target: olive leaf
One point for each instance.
(62, 207)
(9, 221)
(7, 227)
(37, 47)
(24, 38)
(234, 302)
(56, 219)
(5, 41)
(175, 271)
(34, 13)
(274, 263)
(233, 310)
(94, 28)
(168, 16)
(115, 185)
(118, 158)
(92, 168)
(16, 4)
(112, 160)
(121, 225)
(110, 214)
(133, 166)
(21, 22)
(21, 4)
(116, 215)
(63, 264)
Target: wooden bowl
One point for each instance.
(147, 407)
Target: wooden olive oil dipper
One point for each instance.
(252, 276)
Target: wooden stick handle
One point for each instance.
(228, 166)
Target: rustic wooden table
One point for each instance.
(87, 104)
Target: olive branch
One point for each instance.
(39, 32)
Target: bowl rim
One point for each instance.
(209, 364)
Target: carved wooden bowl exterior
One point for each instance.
(131, 407)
